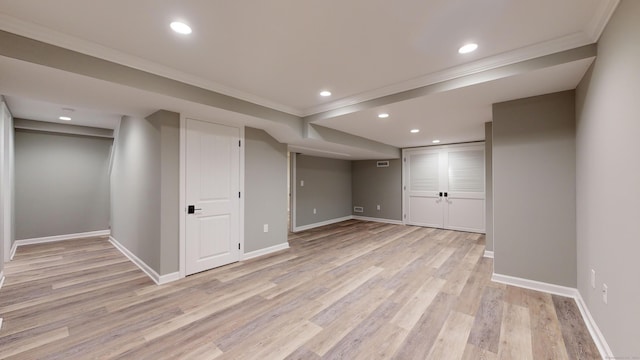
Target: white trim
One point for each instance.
(535, 285)
(159, 280)
(12, 253)
(182, 199)
(0, 323)
(488, 254)
(294, 186)
(265, 251)
(1, 279)
(380, 220)
(48, 239)
(167, 278)
(594, 331)
(322, 223)
(242, 193)
(601, 18)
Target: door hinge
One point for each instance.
(404, 187)
(238, 246)
(239, 143)
(405, 216)
(405, 160)
(238, 194)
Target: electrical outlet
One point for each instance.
(314, 211)
(605, 293)
(378, 207)
(266, 228)
(593, 278)
(301, 183)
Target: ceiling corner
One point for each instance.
(600, 19)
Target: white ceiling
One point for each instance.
(281, 53)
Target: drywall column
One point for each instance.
(534, 203)
(373, 186)
(265, 189)
(608, 182)
(7, 230)
(488, 183)
(145, 190)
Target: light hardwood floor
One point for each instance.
(354, 290)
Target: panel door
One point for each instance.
(424, 180)
(464, 206)
(212, 188)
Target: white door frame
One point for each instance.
(182, 248)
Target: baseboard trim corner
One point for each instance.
(380, 220)
(488, 254)
(159, 280)
(1, 279)
(14, 248)
(594, 331)
(322, 223)
(265, 251)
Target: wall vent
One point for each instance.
(384, 163)
(358, 209)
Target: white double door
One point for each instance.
(444, 187)
(212, 195)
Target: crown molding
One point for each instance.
(40, 33)
(507, 58)
(601, 18)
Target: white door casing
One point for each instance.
(444, 187)
(212, 180)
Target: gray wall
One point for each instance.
(608, 181)
(534, 202)
(327, 188)
(488, 173)
(265, 185)
(62, 184)
(373, 186)
(144, 189)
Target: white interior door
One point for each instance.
(212, 190)
(423, 184)
(464, 208)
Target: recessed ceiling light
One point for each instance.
(65, 118)
(325, 93)
(414, 131)
(436, 141)
(468, 48)
(180, 27)
(383, 115)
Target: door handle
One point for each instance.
(445, 195)
(440, 193)
(191, 209)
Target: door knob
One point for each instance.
(191, 209)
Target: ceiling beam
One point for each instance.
(563, 57)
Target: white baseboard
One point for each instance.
(535, 285)
(159, 280)
(380, 220)
(594, 330)
(1, 279)
(488, 254)
(573, 293)
(265, 251)
(48, 239)
(322, 223)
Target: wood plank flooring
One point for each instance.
(353, 290)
